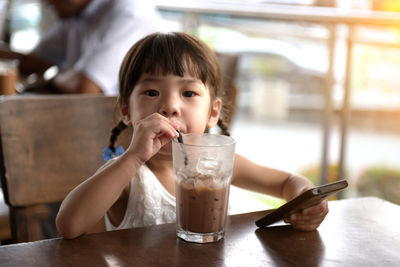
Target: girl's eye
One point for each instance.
(151, 93)
(189, 94)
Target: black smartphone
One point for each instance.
(307, 199)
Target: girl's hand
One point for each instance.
(310, 218)
(150, 135)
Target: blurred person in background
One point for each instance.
(87, 45)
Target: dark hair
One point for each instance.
(173, 53)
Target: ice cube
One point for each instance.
(187, 175)
(208, 166)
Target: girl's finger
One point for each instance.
(157, 125)
(303, 222)
(304, 219)
(321, 208)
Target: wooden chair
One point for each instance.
(49, 145)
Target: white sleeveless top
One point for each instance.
(149, 203)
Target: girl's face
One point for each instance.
(184, 100)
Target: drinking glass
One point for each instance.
(203, 166)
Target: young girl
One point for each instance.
(168, 82)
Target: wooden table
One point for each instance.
(357, 232)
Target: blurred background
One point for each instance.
(283, 119)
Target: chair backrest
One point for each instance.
(50, 144)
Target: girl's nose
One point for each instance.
(170, 108)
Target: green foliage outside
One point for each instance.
(382, 182)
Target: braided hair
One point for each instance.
(115, 133)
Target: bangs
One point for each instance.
(167, 55)
(178, 66)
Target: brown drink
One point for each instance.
(202, 207)
(7, 82)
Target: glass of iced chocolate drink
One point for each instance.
(8, 76)
(203, 167)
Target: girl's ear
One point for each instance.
(125, 113)
(214, 114)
